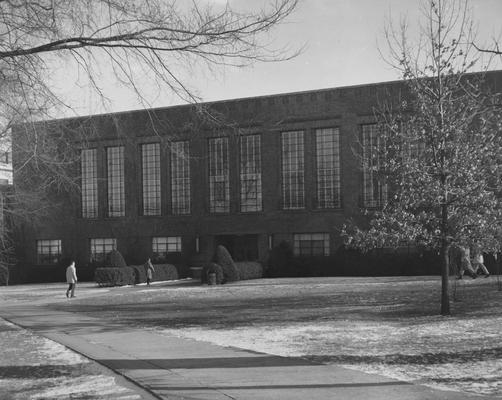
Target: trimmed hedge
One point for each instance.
(249, 269)
(4, 276)
(212, 268)
(352, 262)
(164, 272)
(114, 259)
(139, 273)
(111, 276)
(224, 259)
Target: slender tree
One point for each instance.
(440, 147)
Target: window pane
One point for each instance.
(150, 162)
(180, 178)
(250, 173)
(219, 183)
(292, 170)
(161, 246)
(374, 189)
(101, 247)
(311, 244)
(48, 251)
(328, 168)
(116, 194)
(89, 189)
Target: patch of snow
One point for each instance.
(89, 386)
(33, 367)
(419, 352)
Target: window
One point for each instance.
(150, 167)
(374, 188)
(89, 190)
(101, 247)
(48, 251)
(413, 145)
(219, 184)
(5, 157)
(115, 168)
(292, 170)
(328, 167)
(180, 178)
(161, 246)
(311, 244)
(250, 173)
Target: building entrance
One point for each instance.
(240, 247)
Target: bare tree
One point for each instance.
(133, 38)
(440, 146)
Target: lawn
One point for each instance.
(382, 325)
(36, 368)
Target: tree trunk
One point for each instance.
(445, 296)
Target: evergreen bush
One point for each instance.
(139, 273)
(212, 268)
(249, 269)
(114, 259)
(224, 259)
(4, 275)
(165, 272)
(112, 276)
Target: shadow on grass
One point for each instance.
(39, 371)
(232, 308)
(218, 313)
(260, 361)
(418, 359)
(305, 386)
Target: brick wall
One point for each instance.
(343, 108)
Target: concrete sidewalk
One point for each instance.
(173, 368)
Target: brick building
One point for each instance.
(174, 182)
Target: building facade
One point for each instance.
(175, 182)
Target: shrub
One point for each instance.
(139, 273)
(111, 276)
(164, 272)
(212, 268)
(4, 276)
(115, 260)
(224, 259)
(249, 269)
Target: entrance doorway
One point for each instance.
(240, 247)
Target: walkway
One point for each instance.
(173, 368)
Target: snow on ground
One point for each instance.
(421, 352)
(386, 325)
(36, 368)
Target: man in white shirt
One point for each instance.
(478, 263)
(71, 279)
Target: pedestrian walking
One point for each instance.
(460, 261)
(71, 279)
(149, 272)
(478, 263)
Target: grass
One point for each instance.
(385, 325)
(32, 367)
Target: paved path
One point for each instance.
(173, 368)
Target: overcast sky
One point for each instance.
(342, 40)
